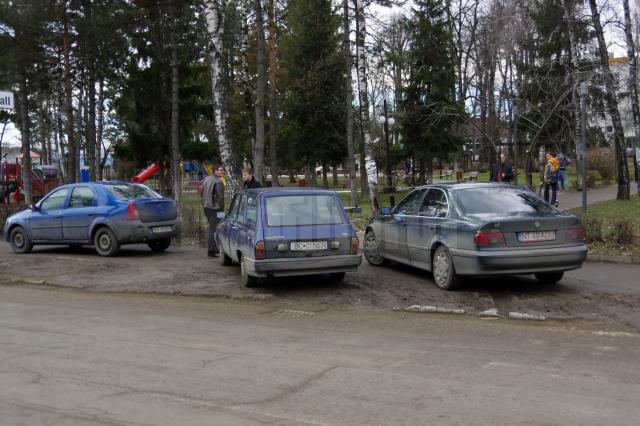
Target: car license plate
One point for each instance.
(158, 229)
(308, 245)
(536, 236)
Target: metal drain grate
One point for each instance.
(288, 313)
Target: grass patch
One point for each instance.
(612, 227)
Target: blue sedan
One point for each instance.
(276, 232)
(104, 214)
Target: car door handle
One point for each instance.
(90, 214)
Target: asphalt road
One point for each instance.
(72, 357)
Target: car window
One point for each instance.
(82, 196)
(233, 209)
(133, 191)
(55, 201)
(410, 204)
(434, 204)
(501, 200)
(252, 210)
(291, 210)
(243, 203)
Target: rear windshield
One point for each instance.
(500, 200)
(291, 210)
(123, 191)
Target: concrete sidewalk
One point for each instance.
(573, 199)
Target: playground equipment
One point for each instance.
(146, 173)
(43, 180)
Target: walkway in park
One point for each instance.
(573, 199)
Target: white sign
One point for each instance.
(6, 100)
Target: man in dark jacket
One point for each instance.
(502, 172)
(213, 201)
(249, 180)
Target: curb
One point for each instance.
(613, 259)
(430, 309)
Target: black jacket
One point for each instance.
(253, 183)
(504, 168)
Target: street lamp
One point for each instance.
(388, 121)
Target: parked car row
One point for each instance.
(452, 230)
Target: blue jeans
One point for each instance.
(563, 179)
(554, 193)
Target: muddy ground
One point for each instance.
(602, 294)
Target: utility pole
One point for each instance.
(582, 146)
(390, 188)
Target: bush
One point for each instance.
(622, 231)
(593, 176)
(601, 160)
(593, 228)
(194, 224)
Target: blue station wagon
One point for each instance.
(275, 232)
(105, 214)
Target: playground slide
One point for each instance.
(146, 173)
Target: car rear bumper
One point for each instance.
(473, 262)
(135, 231)
(303, 266)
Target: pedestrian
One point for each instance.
(551, 178)
(213, 201)
(249, 180)
(502, 172)
(563, 178)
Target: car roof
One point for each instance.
(285, 190)
(457, 186)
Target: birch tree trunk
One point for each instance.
(258, 152)
(364, 101)
(25, 130)
(273, 113)
(100, 131)
(213, 16)
(612, 106)
(633, 70)
(91, 125)
(348, 90)
(176, 176)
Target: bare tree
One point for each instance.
(348, 90)
(258, 151)
(273, 113)
(612, 105)
(633, 68)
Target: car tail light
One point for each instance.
(354, 245)
(132, 212)
(575, 234)
(260, 252)
(489, 238)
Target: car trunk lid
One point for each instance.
(307, 241)
(156, 209)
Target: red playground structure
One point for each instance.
(146, 173)
(43, 180)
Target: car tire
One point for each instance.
(223, 258)
(549, 277)
(160, 245)
(337, 277)
(105, 242)
(372, 251)
(444, 273)
(20, 241)
(247, 280)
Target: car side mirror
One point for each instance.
(34, 207)
(385, 211)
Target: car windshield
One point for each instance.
(291, 210)
(500, 200)
(123, 191)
